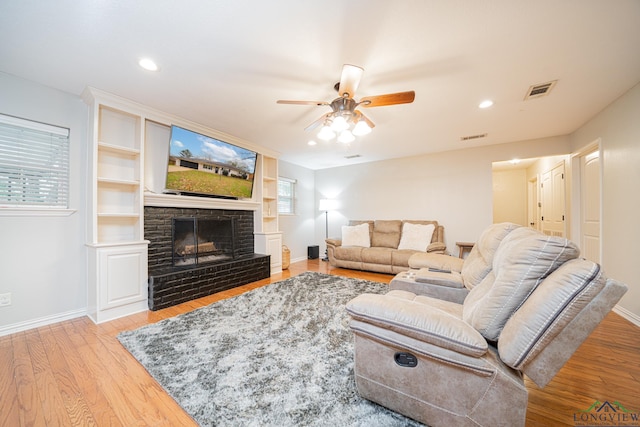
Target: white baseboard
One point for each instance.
(299, 259)
(631, 317)
(42, 321)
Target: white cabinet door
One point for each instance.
(121, 289)
(270, 244)
(122, 276)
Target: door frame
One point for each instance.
(576, 190)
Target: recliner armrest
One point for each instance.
(451, 279)
(438, 247)
(418, 320)
(438, 261)
(333, 242)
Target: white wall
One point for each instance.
(510, 196)
(298, 231)
(618, 126)
(454, 188)
(42, 258)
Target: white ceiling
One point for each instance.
(225, 63)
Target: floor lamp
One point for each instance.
(326, 205)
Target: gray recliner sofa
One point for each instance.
(444, 363)
(451, 278)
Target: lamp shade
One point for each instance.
(326, 133)
(361, 128)
(327, 204)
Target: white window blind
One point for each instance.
(286, 196)
(34, 164)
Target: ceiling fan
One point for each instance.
(344, 119)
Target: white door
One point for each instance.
(533, 205)
(553, 204)
(590, 206)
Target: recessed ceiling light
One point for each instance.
(311, 142)
(486, 103)
(514, 161)
(148, 64)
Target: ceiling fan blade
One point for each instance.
(350, 80)
(317, 123)
(318, 103)
(389, 99)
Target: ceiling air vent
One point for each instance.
(470, 137)
(353, 156)
(536, 91)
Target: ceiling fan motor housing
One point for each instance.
(343, 104)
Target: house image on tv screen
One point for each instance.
(202, 165)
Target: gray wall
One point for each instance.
(42, 258)
(618, 127)
(298, 231)
(455, 188)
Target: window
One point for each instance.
(286, 195)
(34, 164)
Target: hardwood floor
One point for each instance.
(76, 373)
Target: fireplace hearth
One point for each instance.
(197, 252)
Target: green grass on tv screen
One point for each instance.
(204, 182)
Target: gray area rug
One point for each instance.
(280, 355)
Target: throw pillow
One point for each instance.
(356, 235)
(416, 236)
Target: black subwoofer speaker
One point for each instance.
(313, 252)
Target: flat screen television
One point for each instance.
(203, 166)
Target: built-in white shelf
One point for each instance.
(118, 181)
(119, 149)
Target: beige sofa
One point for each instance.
(449, 364)
(384, 252)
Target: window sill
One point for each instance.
(22, 212)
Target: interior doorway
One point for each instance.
(552, 188)
(588, 165)
(531, 193)
(533, 203)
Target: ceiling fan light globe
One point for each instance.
(361, 128)
(339, 124)
(326, 133)
(346, 137)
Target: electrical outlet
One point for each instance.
(5, 299)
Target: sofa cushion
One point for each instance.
(522, 261)
(376, 255)
(414, 316)
(356, 235)
(386, 233)
(479, 261)
(348, 253)
(558, 299)
(438, 229)
(416, 236)
(401, 257)
(363, 221)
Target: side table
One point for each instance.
(464, 246)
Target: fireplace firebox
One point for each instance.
(197, 241)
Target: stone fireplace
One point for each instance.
(195, 252)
